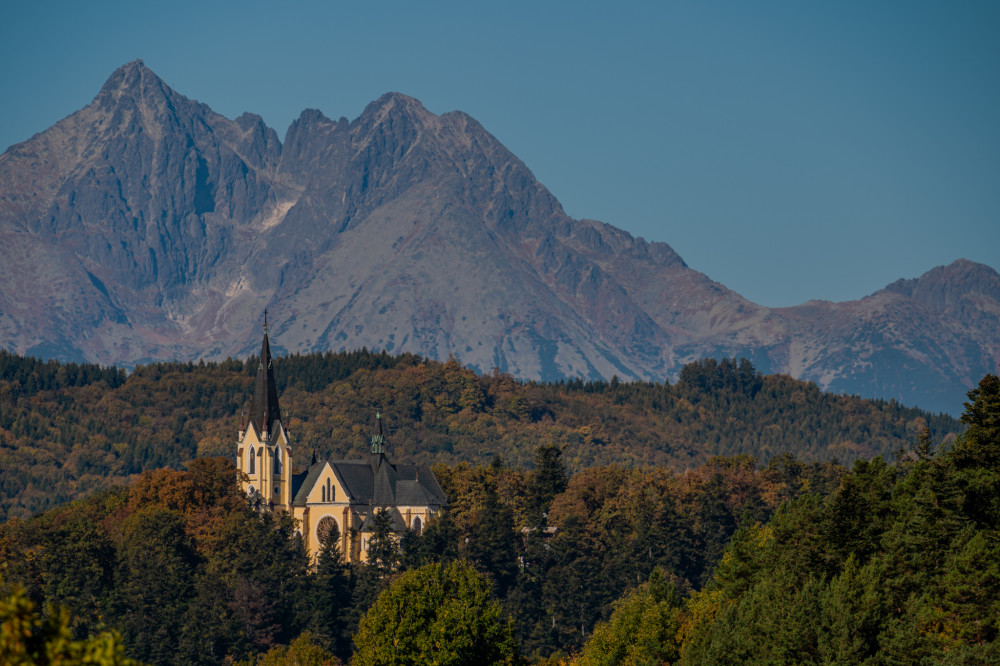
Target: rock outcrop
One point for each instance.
(147, 227)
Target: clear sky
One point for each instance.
(790, 150)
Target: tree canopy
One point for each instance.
(437, 614)
(30, 637)
(900, 564)
(721, 559)
(67, 430)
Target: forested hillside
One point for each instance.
(894, 561)
(188, 573)
(67, 430)
(900, 565)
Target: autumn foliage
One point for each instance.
(66, 431)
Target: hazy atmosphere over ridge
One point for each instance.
(789, 152)
(146, 226)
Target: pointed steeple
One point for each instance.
(264, 409)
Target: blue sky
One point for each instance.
(790, 150)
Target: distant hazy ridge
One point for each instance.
(147, 227)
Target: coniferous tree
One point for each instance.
(547, 481)
(977, 453)
(329, 594)
(438, 542)
(154, 584)
(493, 543)
(383, 547)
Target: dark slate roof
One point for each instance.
(403, 485)
(264, 409)
(302, 484)
(413, 493)
(356, 477)
(375, 482)
(384, 483)
(416, 485)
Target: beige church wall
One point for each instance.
(423, 513)
(273, 484)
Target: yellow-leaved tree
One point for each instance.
(31, 638)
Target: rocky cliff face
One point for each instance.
(145, 227)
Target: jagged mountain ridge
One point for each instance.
(145, 227)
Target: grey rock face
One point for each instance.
(145, 226)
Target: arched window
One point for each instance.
(416, 524)
(277, 460)
(323, 494)
(330, 491)
(324, 527)
(253, 462)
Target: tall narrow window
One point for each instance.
(329, 491)
(277, 460)
(322, 492)
(253, 462)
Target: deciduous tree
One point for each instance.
(436, 614)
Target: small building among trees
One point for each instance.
(341, 495)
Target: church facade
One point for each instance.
(332, 493)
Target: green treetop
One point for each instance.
(437, 614)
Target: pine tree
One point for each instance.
(383, 547)
(977, 453)
(493, 544)
(548, 480)
(329, 593)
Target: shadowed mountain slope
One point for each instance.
(145, 226)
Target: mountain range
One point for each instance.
(147, 227)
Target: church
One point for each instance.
(345, 493)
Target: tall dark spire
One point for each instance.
(264, 409)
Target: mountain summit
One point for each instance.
(146, 226)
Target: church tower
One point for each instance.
(263, 450)
(345, 494)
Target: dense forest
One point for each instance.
(894, 561)
(68, 430)
(899, 565)
(188, 572)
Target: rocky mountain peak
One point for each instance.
(968, 276)
(133, 80)
(946, 287)
(147, 227)
(310, 117)
(396, 105)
